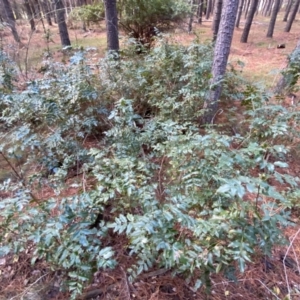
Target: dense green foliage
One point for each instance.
(290, 76)
(191, 201)
(143, 19)
(88, 13)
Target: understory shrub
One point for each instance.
(142, 19)
(190, 201)
(88, 13)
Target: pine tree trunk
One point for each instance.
(36, 7)
(263, 7)
(217, 18)
(200, 11)
(52, 5)
(249, 20)
(221, 53)
(292, 16)
(62, 26)
(111, 17)
(46, 11)
(190, 26)
(273, 18)
(10, 19)
(17, 10)
(288, 4)
(287, 11)
(212, 7)
(257, 8)
(270, 8)
(208, 9)
(239, 14)
(247, 8)
(30, 14)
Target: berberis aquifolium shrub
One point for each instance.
(177, 195)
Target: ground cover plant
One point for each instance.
(127, 136)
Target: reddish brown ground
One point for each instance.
(265, 278)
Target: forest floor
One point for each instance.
(264, 278)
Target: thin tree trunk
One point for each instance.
(292, 16)
(268, 7)
(239, 14)
(208, 9)
(257, 8)
(204, 6)
(221, 53)
(190, 26)
(217, 18)
(212, 6)
(263, 7)
(36, 6)
(246, 31)
(29, 14)
(288, 4)
(46, 11)
(273, 18)
(17, 10)
(247, 8)
(10, 19)
(200, 11)
(53, 10)
(62, 26)
(111, 17)
(287, 11)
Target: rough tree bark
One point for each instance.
(221, 53)
(250, 16)
(62, 26)
(292, 16)
(10, 19)
(239, 14)
(273, 18)
(111, 17)
(217, 18)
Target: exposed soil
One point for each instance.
(266, 278)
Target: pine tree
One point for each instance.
(292, 16)
(61, 20)
(8, 15)
(111, 17)
(221, 53)
(273, 18)
(250, 16)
